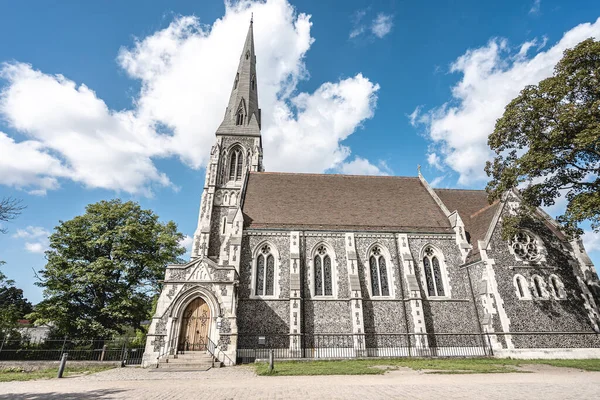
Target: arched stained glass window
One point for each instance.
(323, 273)
(378, 270)
(433, 273)
(235, 164)
(265, 272)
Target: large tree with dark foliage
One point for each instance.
(547, 143)
(13, 306)
(104, 269)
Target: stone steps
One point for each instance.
(189, 361)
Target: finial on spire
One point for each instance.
(251, 17)
(419, 169)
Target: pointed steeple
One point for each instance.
(242, 116)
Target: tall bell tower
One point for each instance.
(238, 150)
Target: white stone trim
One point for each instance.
(548, 354)
(493, 286)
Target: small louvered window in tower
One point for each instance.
(239, 118)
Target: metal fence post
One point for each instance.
(489, 343)
(124, 355)
(63, 346)
(2, 345)
(103, 352)
(63, 363)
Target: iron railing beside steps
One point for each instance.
(216, 352)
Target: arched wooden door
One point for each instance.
(195, 326)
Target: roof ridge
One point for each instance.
(335, 175)
(461, 190)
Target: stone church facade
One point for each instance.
(279, 259)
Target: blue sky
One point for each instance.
(121, 99)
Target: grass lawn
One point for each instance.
(17, 374)
(443, 366)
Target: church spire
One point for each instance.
(242, 116)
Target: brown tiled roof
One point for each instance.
(341, 202)
(475, 212)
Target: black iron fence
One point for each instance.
(129, 351)
(330, 346)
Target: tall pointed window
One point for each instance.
(378, 269)
(433, 273)
(235, 164)
(265, 272)
(237, 79)
(322, 272)
(253, 82)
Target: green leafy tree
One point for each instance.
(13, 306)
(104, 269)
(547, 143)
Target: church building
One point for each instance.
(324, 265)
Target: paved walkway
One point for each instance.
(240, 383)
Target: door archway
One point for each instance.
(195, 326)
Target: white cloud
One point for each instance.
(591, 240)
(35, 247)
(382, 25)
(535, 7)
(413, 117)
(186, 71)
(437, 180)
(434, 160)
(187, 242)
(357, 31)
(36, 238)
(361, 166)
(31, 232)
(492, 76)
